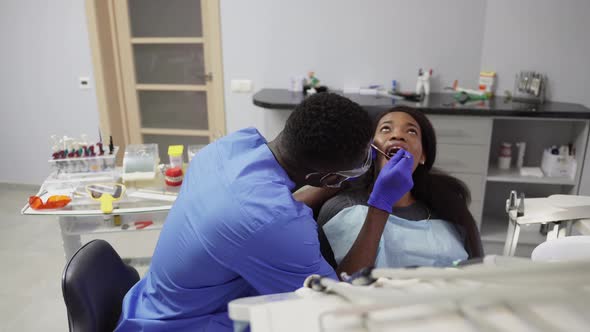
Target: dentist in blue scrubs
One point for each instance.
(236, 230)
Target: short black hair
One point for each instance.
(327, 130)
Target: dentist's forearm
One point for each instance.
(314, 197)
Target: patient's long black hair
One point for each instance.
(447, 196)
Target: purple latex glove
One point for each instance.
(393, 182)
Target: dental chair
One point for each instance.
(94, 282)
(328, 254)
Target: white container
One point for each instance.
(504, 162)
(175, 161)
(521, 147)
(505, 156)
(175, 153)
(296, 83)
(423, 82)
(140, 162)
(487, 82)
(554, 165)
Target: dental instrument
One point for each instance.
(385, 154)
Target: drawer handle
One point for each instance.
(450, 133)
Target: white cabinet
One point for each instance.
(462, 130)
(476, 210)
(462, 158)
(539, 134)
(467, 148)
(463, 145)
(475, 183)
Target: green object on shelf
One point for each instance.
(312, 80)
(463, 97)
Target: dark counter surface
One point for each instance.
(435, 103)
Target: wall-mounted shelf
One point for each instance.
(513, 176)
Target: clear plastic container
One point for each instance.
(94, 164)
(140, 162)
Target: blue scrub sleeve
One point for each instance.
(279, 257)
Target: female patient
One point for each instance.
(429, 226)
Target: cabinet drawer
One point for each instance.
(474, 183)
(461, 130)
(453, 158)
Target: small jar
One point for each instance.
(505, 156)
(175, 154)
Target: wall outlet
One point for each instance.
(241, 86)
(84, 83)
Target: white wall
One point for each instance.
(44, 50)
(374, 41)
(543, 35)
(348, 43)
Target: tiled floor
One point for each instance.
(32, 260)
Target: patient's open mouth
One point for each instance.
(392, 151)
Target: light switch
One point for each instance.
(235, 85)
(246, 86)
(241, 85)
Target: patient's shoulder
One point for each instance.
(340, 202)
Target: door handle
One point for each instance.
(208, 77)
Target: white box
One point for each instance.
(554, 165)
(487, 82)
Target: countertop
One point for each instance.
(435, 103)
